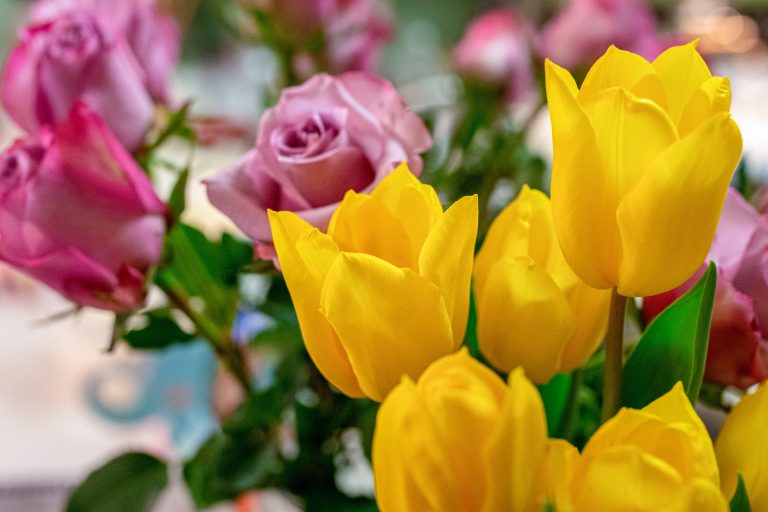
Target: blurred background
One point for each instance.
(66, 405)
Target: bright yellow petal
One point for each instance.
(364, 224)
(582, 197)
(742, 446)
(389, 189)
(523, 319)
(619, 68)
(463, 397)
(668, 221)
(390, 321)
(590, 308)
(713, 97)
(682, 71)
(624, 478)
(701, 496)
(446, 260)
(515, 451)
(411, 464)
(305, 256)
(558, 468)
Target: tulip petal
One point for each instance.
(742, 446)
(668, 221)
(514, 453)
(446, 260)
(559, 466)
(364, 224)
(619, 68)
(713, 97)
(590, 308)
(391, 321)
(306, 255)
(582, 205)
(523, 319)
(411, 465)
(682, 71)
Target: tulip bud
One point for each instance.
(742, 447)
(532, 310)
(460, 440)
(659, 458)
(640, 216)
(386, 291)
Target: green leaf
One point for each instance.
(554, 394)
(740, 499)
(160, 332)
(177, 201)
(129, 483)
(470, 336)
(673, 347)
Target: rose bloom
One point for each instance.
(738, 343)
(77, 213)
(581, 32)
(327, 136)
(152, 35)
(495, 50)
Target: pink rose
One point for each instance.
(581, 32)
(738, 345)
(77, 57)
(324, 137)
(153, 36)
(77, 213)
(495, 50)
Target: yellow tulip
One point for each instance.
(386, 291)
(460, 441)
(742, 446)
(643, 154)
(659, 458)
(532, 309)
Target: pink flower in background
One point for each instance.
(77, 57)
(324, 137)
(738, 345)
(153, 36)
(496, 50)
(77, 213)
(581, 32)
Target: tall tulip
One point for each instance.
(460, 440)
(742, 447)
(659, 458)
(532, 310)
(386, 291)
(643, 154)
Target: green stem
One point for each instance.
(571, 411)
(614, 356)
(220, 341)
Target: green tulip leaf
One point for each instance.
(554, 394)
(673, 347)
(129, 483)
(740, 500)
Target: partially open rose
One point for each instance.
(327, 136)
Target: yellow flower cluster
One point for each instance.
(643, 153)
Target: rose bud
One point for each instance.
(738, 341)
(327, 136)
(78, 56)
(77, 213)
(495, 50)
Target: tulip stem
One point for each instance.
(614, 356)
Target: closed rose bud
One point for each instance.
(640, 217)
(659, 458)
(532, 310)
(327, 136)
(742, 447)
(356, 33)
(495, 50)
(461, 440)
(386, 291)
(738, 340)
(79, 56)
(77, 213)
